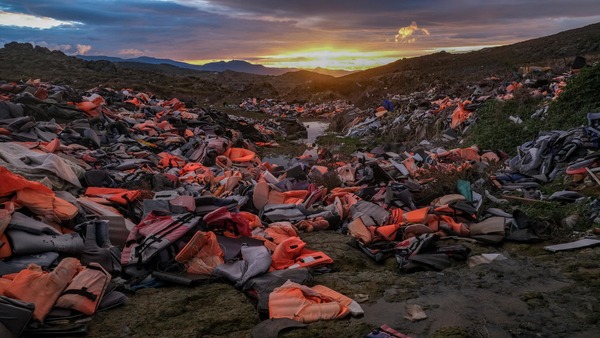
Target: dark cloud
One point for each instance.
(251, 29)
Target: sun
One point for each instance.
(330, 58)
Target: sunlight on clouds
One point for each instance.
(83, 49)
(330, 58)
(31, 21)
(405, 33)
(133, 52)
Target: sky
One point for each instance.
(349, 34)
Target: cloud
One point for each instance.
(228, 29)
(63, 48)
(83, 49)
(133, 51)
(31, 21)
(405, 33)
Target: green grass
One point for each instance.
(344, 146)
(581, 96)
(494, 130)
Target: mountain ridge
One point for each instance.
(240, 66)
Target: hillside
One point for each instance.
(442, 70)
(445, 70)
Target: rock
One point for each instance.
(415, 313)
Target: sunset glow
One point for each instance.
(350, 35)
(330, 58)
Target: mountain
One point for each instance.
(219, 66)
(244, 67)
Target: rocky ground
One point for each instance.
(534, 293)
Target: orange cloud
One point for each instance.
(405, 34)
(83, 49)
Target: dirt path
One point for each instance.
(531, 294)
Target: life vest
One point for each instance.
(86, 290)
(116, 195)
(307, 305)
(43, 288)
(292, 254)
(202, 254)
(169, 161)
(280, 231)
(359, 230)
(240, 155)
(416, 216)
(35, 196)
(154, 233)
(223, 220)
(311, 259)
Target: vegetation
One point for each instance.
(495, 130)
(581, 96)
(344, 146)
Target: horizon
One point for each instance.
(324, 34)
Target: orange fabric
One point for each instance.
(411, 166)
(86, 106)
(35, 196)
(202, 254)
(286, 252)
(457, 227)
(116, 195)
(52, 146)
(311, 259)
(416, 216)
(323, 170)
(459, 116)
(281, 231)
(387, 232)
(345, 190)
(189, 167)
(307, 305)
(276, 197)
(43, 288)
(239, 155)
(397, 216)
(93, 281)
(169, 161)
(358, 230)
(309, 225)
(4, 284)
(253, 220)
(295, 196)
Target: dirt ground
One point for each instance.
(534, 293)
